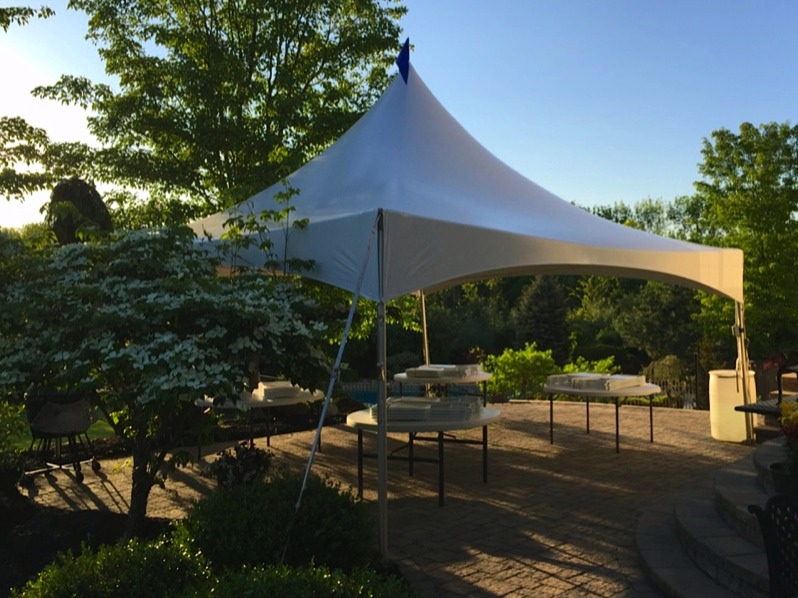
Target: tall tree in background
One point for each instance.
(593, 321)
(217, 99)
(650, 215)
(541, 317)
(467, 321)
(748, 199)
(659, 319)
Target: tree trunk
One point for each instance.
(143, 481)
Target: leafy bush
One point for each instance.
(519, 373)
(254, 524)
(600, 366)
(244, 464)
(135, 568)
(11, 459)
(11, 424)
(287, 582)
(669, 368)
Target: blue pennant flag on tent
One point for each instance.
(403, 60)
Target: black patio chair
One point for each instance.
(59, 423)
(779, 524)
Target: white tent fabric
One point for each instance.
(452, 213)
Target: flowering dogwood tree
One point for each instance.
(144, 322)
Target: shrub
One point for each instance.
(135, 568)
(254, 524)
(600, 366)
(12, 424)
(520, 373)
(244, 464)
(667, 369)
(287, 582)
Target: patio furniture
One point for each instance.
(267, 395)
(59, 423)
(772, 407)
(779, 524)
(618, 394)
(364, 421)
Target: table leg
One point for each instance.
(587, 415)
(617, 431)
(484, 454)
(360, 463)
(440, 469)
(651, 416)
(411, 467)
(551, 419)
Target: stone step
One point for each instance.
(736, 487)
(763, 433)
(665, 561)
(766, 453)
(703, 541)
(718, 549)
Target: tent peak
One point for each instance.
(403, 60)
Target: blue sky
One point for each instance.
(598, 101)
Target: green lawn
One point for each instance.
(99, 429)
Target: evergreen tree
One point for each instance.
(540, 317)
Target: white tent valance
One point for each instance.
(452, 212)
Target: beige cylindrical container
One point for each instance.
(726, 393)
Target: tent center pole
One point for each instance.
(382, 435)
(382, 397)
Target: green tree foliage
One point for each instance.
(601, 366)
(631, 320)
(519, 373)
(540, 317)
(650, 215)
(21, 15)
(215, 100)
(22, 144)
(468, 320)
(748, 198)
(685, 217)
(76, 211)
(145, 321)
(593, 322)
(660, 320)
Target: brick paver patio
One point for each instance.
(553, 520)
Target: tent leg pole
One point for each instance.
(382, 397)
(382, 440)
(424, 327)
(742, 365)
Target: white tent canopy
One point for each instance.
(449, 212)
(452, 213)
